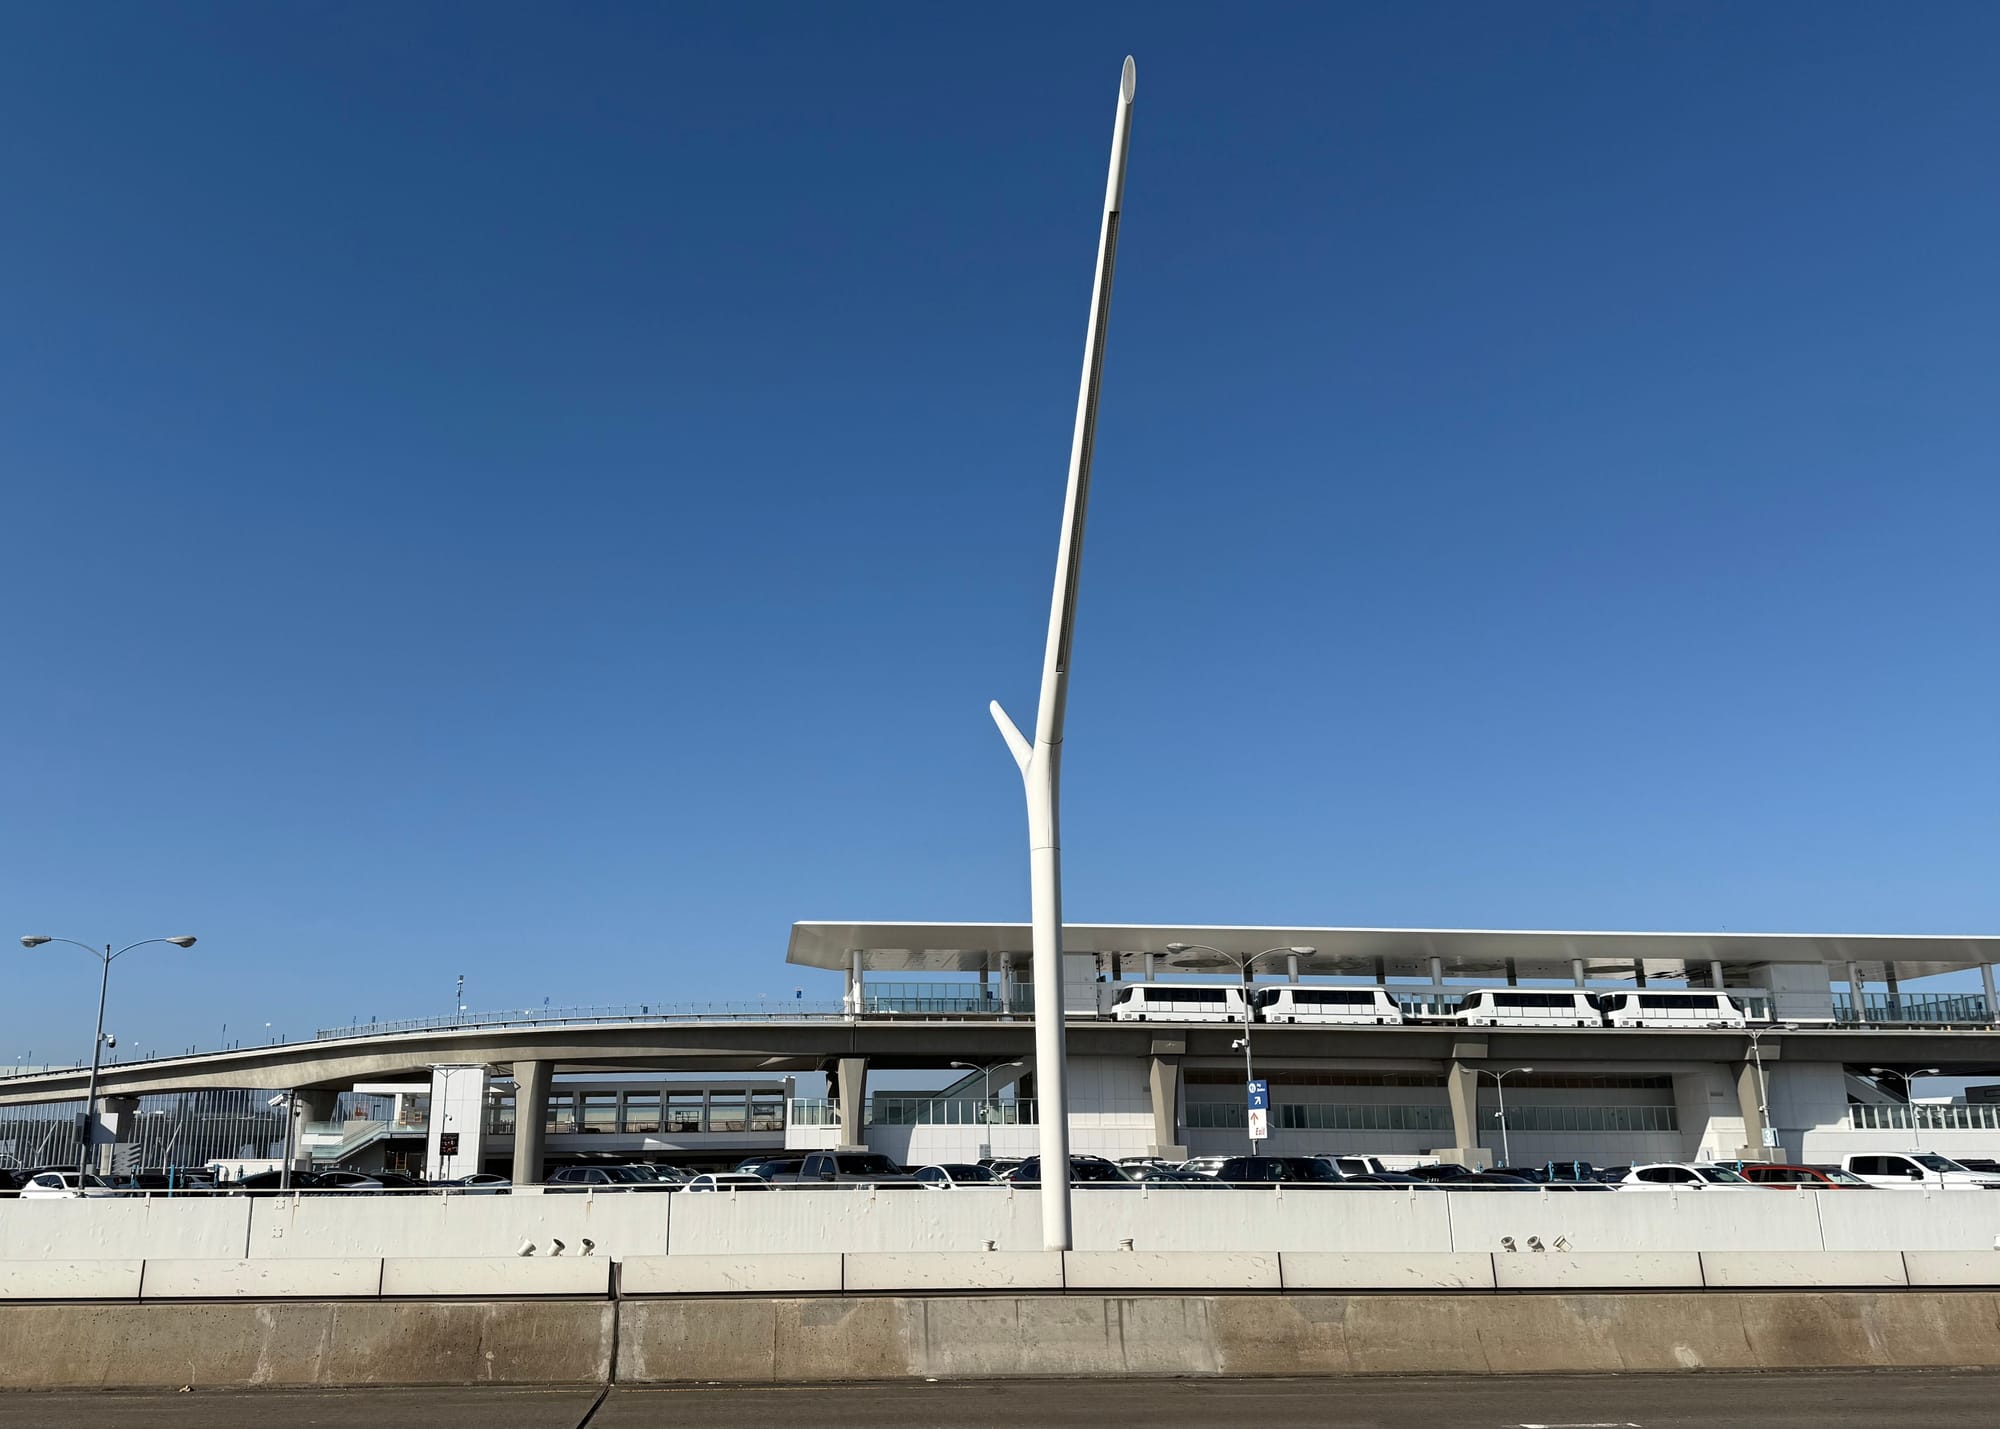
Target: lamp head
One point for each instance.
(1171, 947)
(1524, 1069)
(184, 941)
(33, 941)
(1302, 952)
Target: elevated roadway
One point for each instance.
(781, 1045)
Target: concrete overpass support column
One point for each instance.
(1895, 991)
(1986, 981)
(1715, 973)
(318, 1104)
(118, 1120)
(1749, 1098)
(1513, 973)
(1462, 1087)
(455, 1139)
(531, 1120)
(855, 1003)
(1291, 967)
(1857, 991)
(1152, 966)
(1437, 982)
(1165, 1086)
(853, 1074)
(1576, 974)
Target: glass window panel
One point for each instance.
(684, 1112)
(642, 1112)
(725, 1111)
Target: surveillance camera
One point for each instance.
(111, 1039)
(589, 1245)
(278, 1100)
(527, 1248)
(555, 1247)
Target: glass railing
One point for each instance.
(919, 1111)
(1894, 1116)
(968, 999)
(1921, 1008)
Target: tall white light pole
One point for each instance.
(1040, 761)
(1500, 1090)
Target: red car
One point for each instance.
(1804, 1178)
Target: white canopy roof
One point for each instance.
(1403, 952)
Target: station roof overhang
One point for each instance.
(1367, 952)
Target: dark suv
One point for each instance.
(1276, 1170)
(1083, 1171)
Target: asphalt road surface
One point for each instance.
(1935, 1400)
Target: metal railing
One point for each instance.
(1894, 1116)
(919, 1111)
(1926, 1009)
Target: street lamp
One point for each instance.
(1908, 1077)
(97, 1042)
(1247, 966)
(1767, 1135)
(1500, 1089)
(986, 1077)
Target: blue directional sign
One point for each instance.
(1260, 1095)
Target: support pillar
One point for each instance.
(1576, 971)
(1513, 973)
(1748, 1100)
(1462, 1087)
(1895, 991)
(1715, 974)
(1986, 981)
(1165, 1084)
(1638, 974)
(1152, 966)
(1291, 967)
(455, 1140)
(855, 1002)
(1437, 982)
(853, 1074)
(1857, 993)
(531, 1120)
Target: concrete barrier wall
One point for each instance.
(166, 1344)
(763, 1339)
(901, 1222)
(885, 1337)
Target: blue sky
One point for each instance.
(547, 494)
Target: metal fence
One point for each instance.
(176, 1129)
(919, 1111)
(1894, 1116)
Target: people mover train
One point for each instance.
(1377, 1006)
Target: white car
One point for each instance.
(62, 1186)
(726, 1181)
(950, 1175)
(1202, 1165)
(1908, 1170)
(1682, 1175)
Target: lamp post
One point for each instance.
(1908, 1077)
(986, 1098)
(1500, 1089)
(1756, 1036)
(1039, 759)
(107, 958)
(1246, 965)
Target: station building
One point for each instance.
(923, 1049)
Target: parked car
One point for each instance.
(1135, 1163)
(1203, 1165)
(1693, 1176)
(1083, 1171)
(1913, 1170)
(1487, 1181)
(1980, 1164)
(848, 1168)
(1804, 1178)
(764, 1168)
(1274, 1170)
(1440, 1171)
(1389, 1178)
(355, 1182)
(398, 1181)
(670, 1176)
(273, 1183)
(1000, 1165)
(481, 1183)
(603, 1178)
(727, 1181)
(62, 1186)
(951, 1174)
(1171, 1176)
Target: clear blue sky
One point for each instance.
(548, 493)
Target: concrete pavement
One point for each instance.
(1938, 1400)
